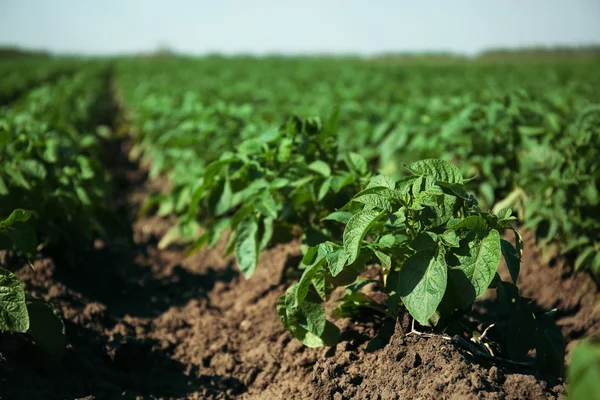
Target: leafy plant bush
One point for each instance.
(438, 251)
(277, 183)
(49, 160)
(20, 313)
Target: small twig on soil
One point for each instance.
(485, 331)
(413, 331)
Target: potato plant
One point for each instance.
(20, 313)
(438, 252)
(282, 182)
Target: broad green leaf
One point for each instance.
(382, 180)
(336, 261)
(315, 317)
(387, 240)
(422, 282)
(473, 222)
(585, 255)
(357, 163)
(339, 216)
(266, 205)
(355, 231)
(13, 310)
(267, 234)
(320, 167)
(324, 188)
(374, 200)
(441, 170)
(225, 200)
(246, 246)
(18, 215)
(384, 260)
(307, 277)
(450, 238)
(477, 267)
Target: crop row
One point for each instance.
(53, 188)
(19, 76)
(239, 168)
(528, 133)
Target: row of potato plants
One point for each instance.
(21, 75)
(53, 190)
(234, 172)
(438, 250)
(496, 122)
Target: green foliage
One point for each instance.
(13, 310)
(18, 313)
(439, 251)
(49, 159)
(276, 182)
(584, 371)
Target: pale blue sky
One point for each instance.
(260, 26)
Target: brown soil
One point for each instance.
(143, 323)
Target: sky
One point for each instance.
(105, 27)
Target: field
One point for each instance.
(328, 228)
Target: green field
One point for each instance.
(419, 178)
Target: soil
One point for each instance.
(144, 324)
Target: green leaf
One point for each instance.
(336, 261)
(320, 167)
(441, 170)
(477, 267)
(246, 246)
(473, 222)
(451, 239)
(583, 257)
(225, 200)
(512, 258)
(266, 205)
(382, 180)
(315, 317)
(384, 260)
(267, 233)
(307, 277)
(46, 327)
(332, 125)
(387, 240)
(87, 172)
(374, 200)
(421, 284)
(13, 310)
(357, 162)
(324, 188)
(355, 231)
(339, 216)
(584, 371)
(18, 215)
